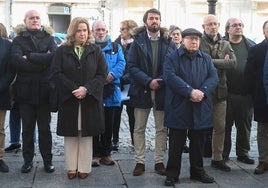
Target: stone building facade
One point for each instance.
(184, 13)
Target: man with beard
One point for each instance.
(145, 61)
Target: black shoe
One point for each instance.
(220, 165)
(26, 167)
(170, 181)
(12, 147)
(3, 166)
(245, 159)
(203, 178)
(49, 168)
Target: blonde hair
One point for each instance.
(3, 31)
(130, 25)
(72, 29)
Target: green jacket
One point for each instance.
(217, 50)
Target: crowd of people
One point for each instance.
(197, 85)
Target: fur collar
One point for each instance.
(163, 32)
(21, 28)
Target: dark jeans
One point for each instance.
(30, 115)
(177, 140)
(102, 143)
(14, 125)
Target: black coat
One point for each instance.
(6, 77)
(254, 76)
(68, 73)
(31, 56)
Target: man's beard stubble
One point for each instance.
(153, 29)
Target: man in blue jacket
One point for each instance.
(145, 61)
(190, 78)
(116, 65)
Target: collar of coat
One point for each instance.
(210, 40)
(21, 30)
(164, 33)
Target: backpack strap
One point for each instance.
(114, 49)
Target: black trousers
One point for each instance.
(31, 115)
(177, 140)
(102, 143)
(117, 121)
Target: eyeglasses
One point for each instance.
(237, 25)
(122, 28)
(192, 38)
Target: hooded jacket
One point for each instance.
(31, 56)
(140, 66)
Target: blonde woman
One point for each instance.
(79, 71)
(125, 39)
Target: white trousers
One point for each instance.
(78, 150)
(78, 153)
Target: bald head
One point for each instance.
(32, 20)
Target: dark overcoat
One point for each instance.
(184, 72)
(254, 76)
(6, 77)
(68, 74)
(31, 56)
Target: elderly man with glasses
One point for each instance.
(224, 59)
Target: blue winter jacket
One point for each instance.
(184, 72)
(141, 69)
(116, 65)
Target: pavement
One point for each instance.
(120, 175)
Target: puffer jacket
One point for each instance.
(217, 50)
(140, 66)
(116, 65)
(31, 56)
